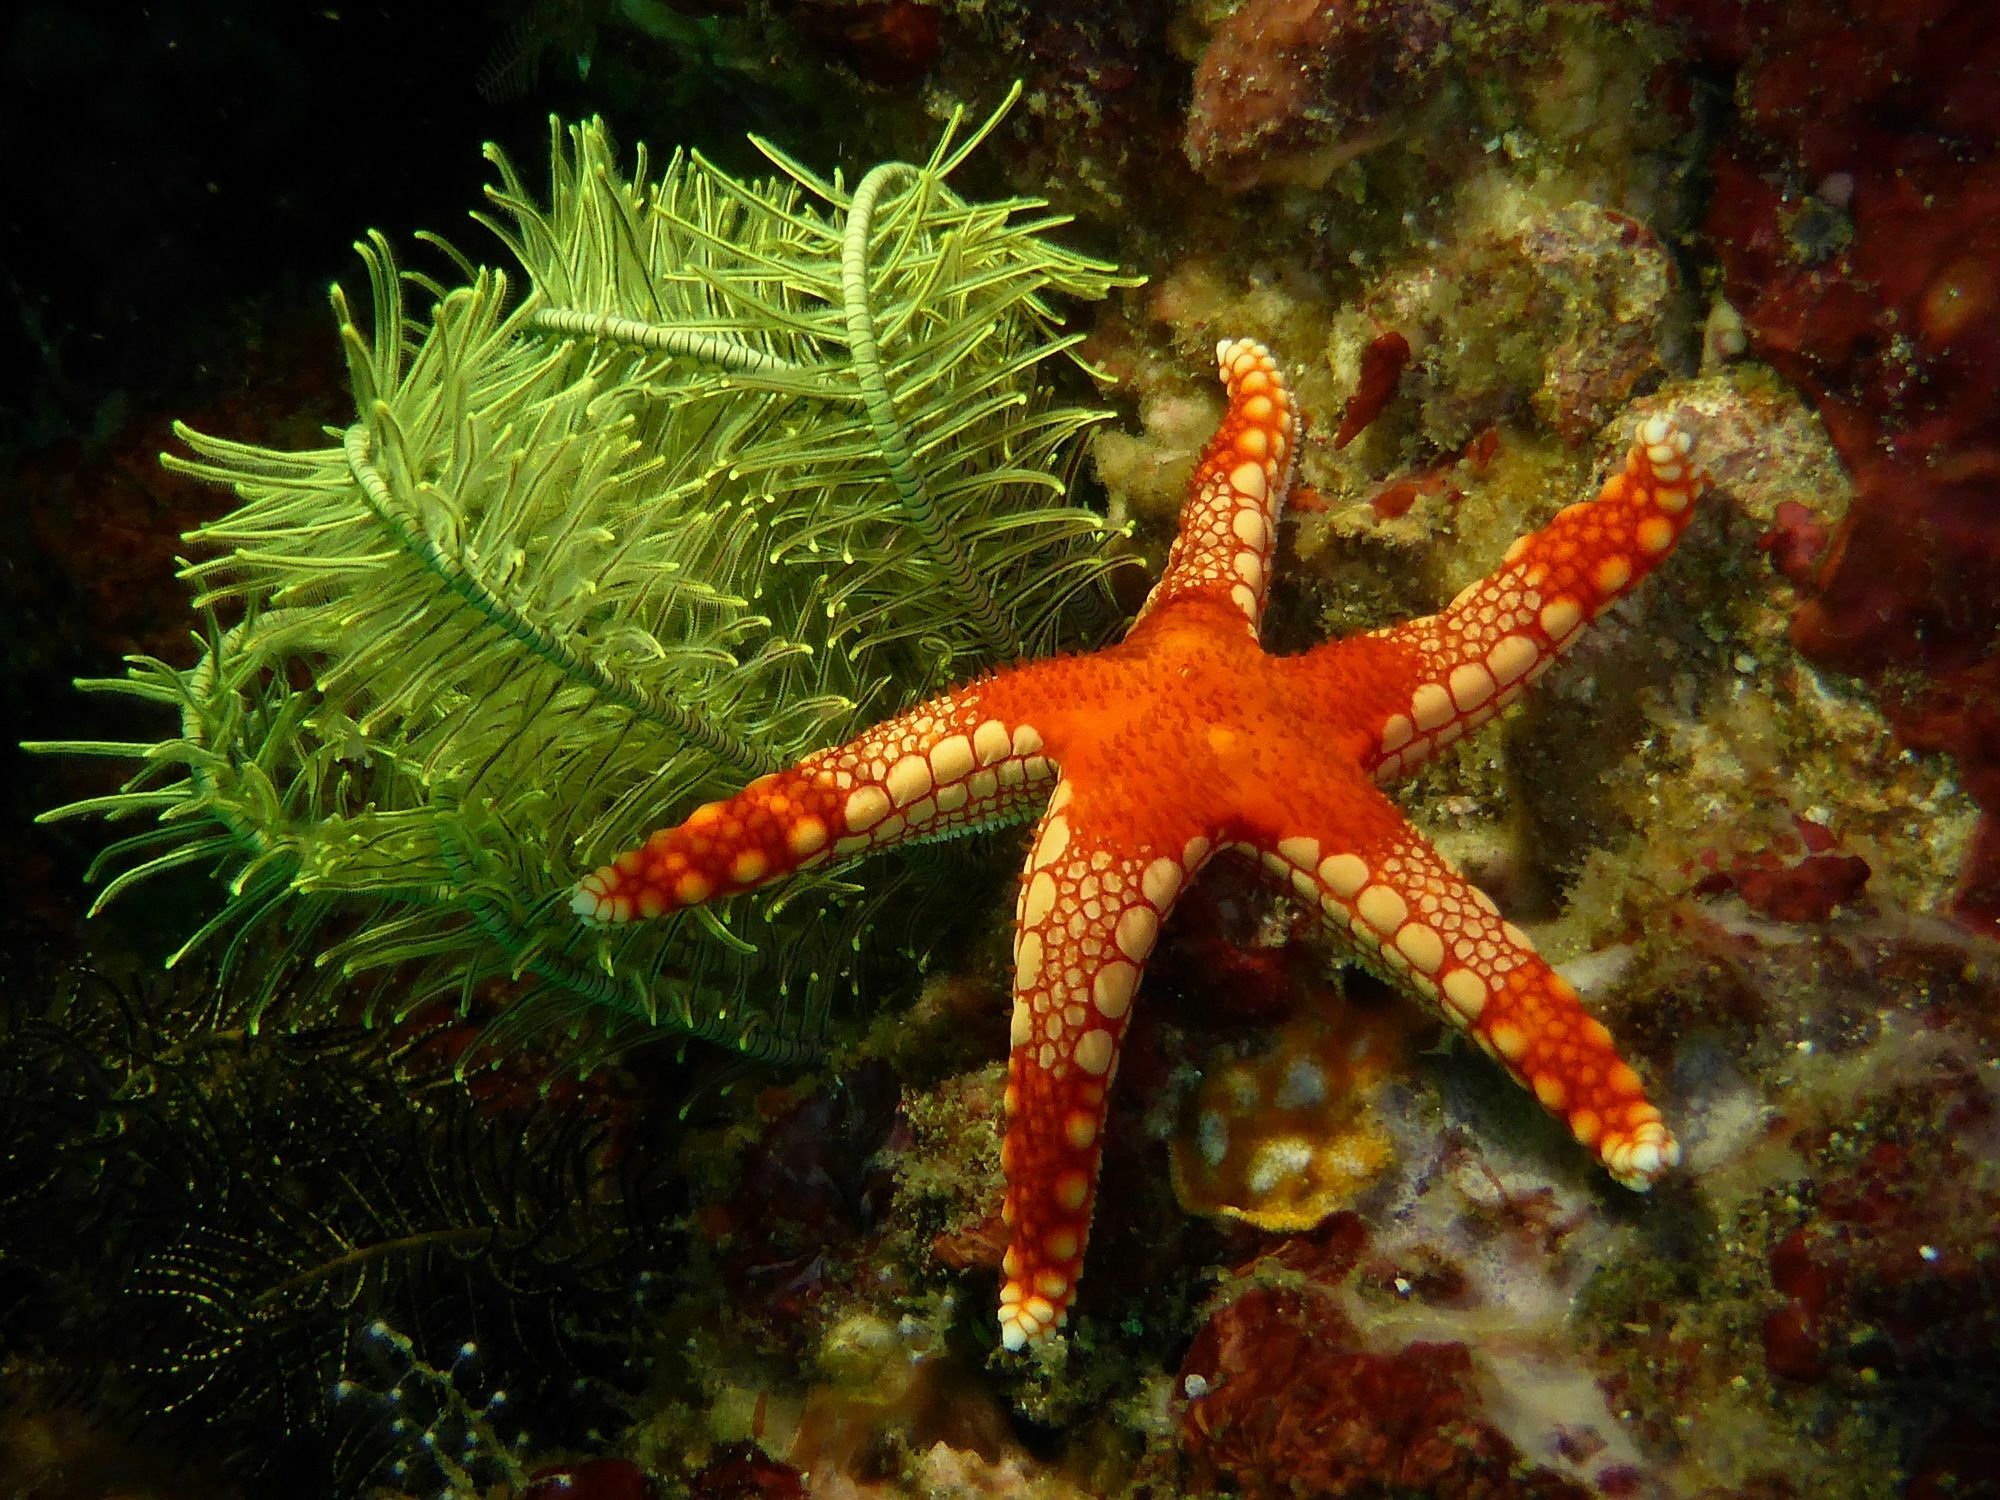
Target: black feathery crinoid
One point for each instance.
(315, 1252)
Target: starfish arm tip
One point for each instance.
(603, 898)
(1026, 1317)
(1642, 1159)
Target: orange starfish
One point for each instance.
(1186, 739)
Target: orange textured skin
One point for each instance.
(1186, 739)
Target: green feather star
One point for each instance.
(742, 467)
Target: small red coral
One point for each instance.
(1381, 369)
(1801, 877)
(1808, 891)
(1395, 498)
(1796, 543)
(809, 1201)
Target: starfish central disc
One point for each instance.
(1186, 739)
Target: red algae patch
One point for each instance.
(1280, 1395)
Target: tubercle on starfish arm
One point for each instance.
(1186, 739)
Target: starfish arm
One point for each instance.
(1092, 900)
(1229, 526)
(1450, 672)
(965, 760)
(1376, 878)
